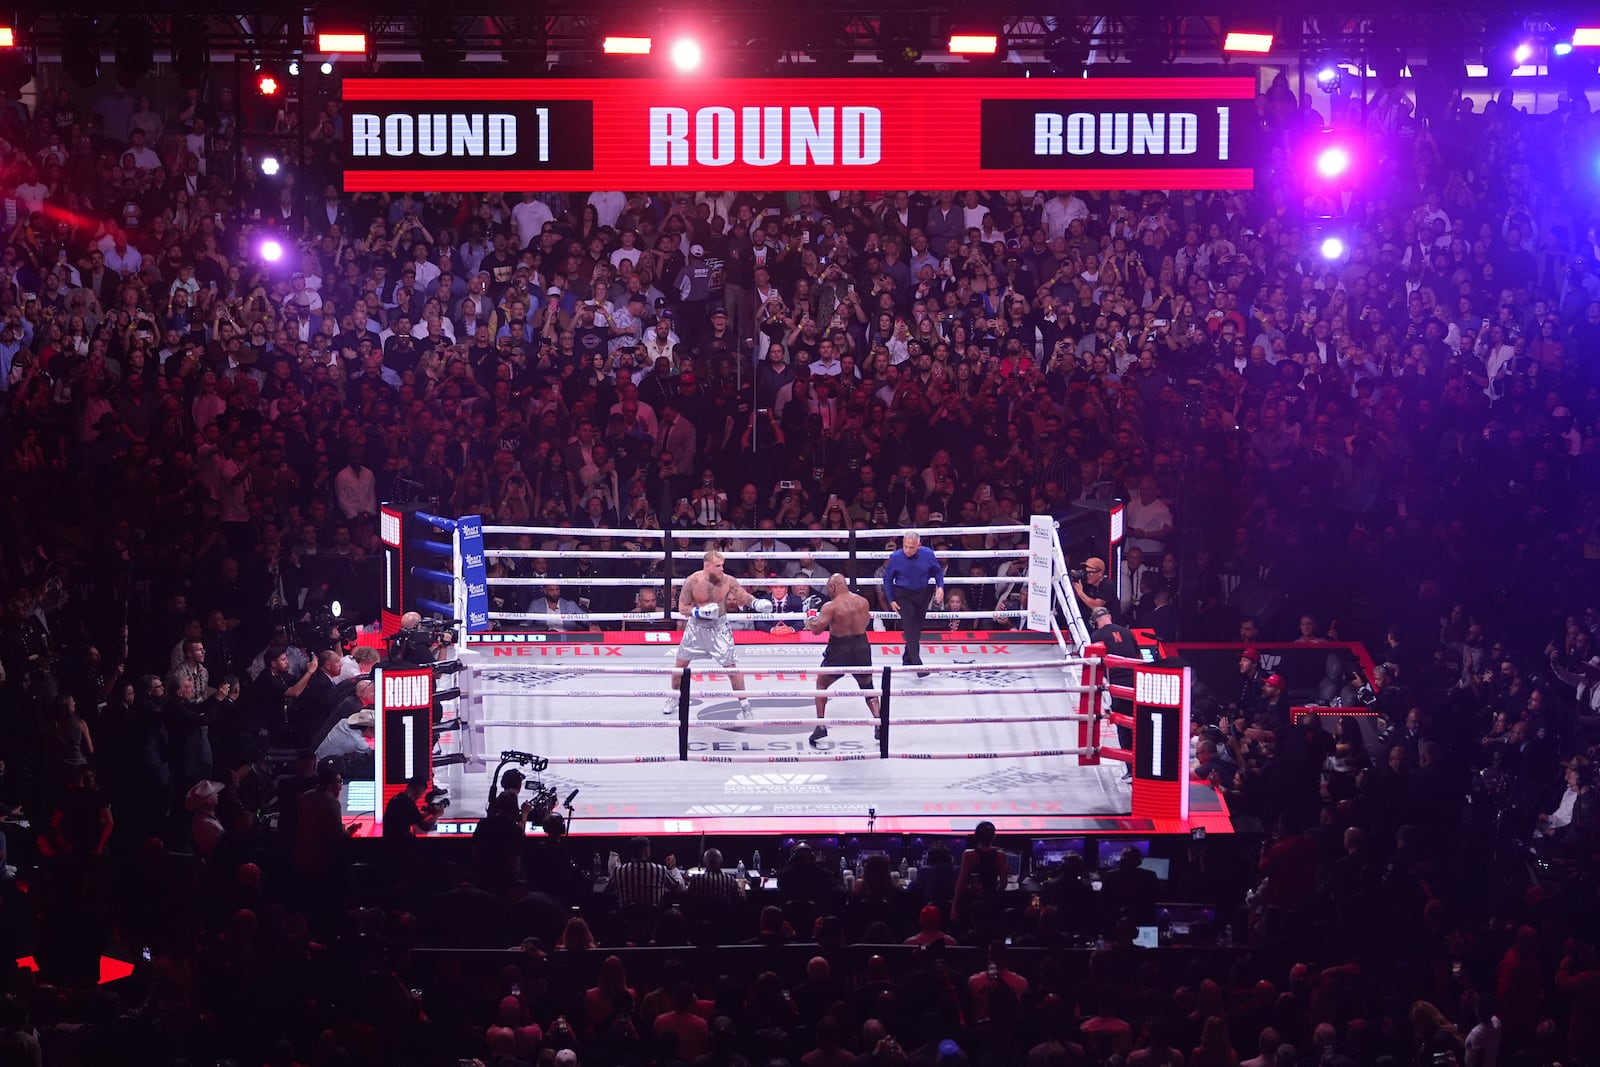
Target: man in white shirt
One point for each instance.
(355, 488)
(1579, 778)
(427, 273)
(1060, 213)
(628, 252)
(121, 256)
(608, 206)
(827, 363)
(1483, 1042)
(32, 192)
(529, 218)
(143, 156)
(660, 341)
(1149, 520)
(973, 212)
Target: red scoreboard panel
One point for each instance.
(1161, 742)
(685, 134)
(402, 728)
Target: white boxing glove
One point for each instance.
(707, 611)
(761, 605)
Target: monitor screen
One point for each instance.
(1013, 863)
(1162, 867)
(1053, 851)
(1110, 850)
(1179, 912)
(1148, 937)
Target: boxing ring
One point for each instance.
(1009, 717)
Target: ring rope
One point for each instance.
(645, 694)
(664, 723)
(804, 535)
(669, 671)
(718, 694)
(775, 579)
(563, 553)
(745, 616)
(608, 760)
(826, 757)
(1020, 754)
(579, 533)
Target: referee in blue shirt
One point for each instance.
(907, 583)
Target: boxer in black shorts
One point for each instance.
(845, 616)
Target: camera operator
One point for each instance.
(497, 841)
(405, 815)
(1092, 586)
(418, 643)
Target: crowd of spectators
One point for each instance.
(1397, 446)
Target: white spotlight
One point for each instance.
(686, 54)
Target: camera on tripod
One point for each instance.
(419, 645)
(539, 799)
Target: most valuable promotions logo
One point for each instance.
(776, 784)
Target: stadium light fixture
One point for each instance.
(687, 55)
(271, 250)
(626, 46)
(270, 166)
(974, 44)
(1247, 41)
(1523, 53)
(1332, 248)
(1333, 161)
(342, 43)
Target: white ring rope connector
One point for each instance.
(664, 723)
(667, 670)
(737, 616)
